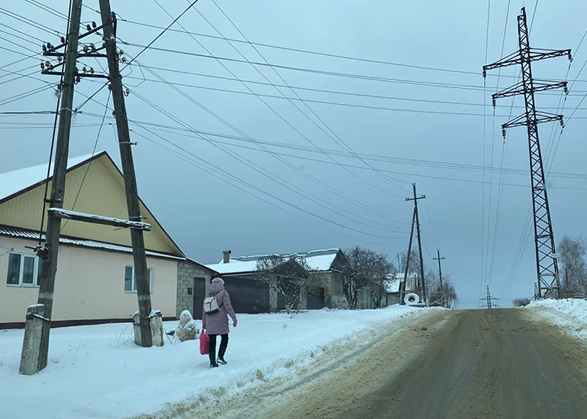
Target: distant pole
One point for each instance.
(444, 300)
(417, 219)
(402, 287)
(33, 346)
(130, 182)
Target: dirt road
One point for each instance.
(488, 364)
(470, 364)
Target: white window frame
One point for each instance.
(134, 280)
(36, 271)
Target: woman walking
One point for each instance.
(215, 320)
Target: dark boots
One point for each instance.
(221, 351)
(212, 356)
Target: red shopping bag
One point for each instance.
(204, 343)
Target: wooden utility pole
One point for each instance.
(415, 199)
(130, 183)
(38, 346)
(444, 302)
(402, 286)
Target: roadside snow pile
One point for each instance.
(569, 314)
(98, 371)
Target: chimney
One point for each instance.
(226, 256)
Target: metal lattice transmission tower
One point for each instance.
(489, 304)
(546, 263)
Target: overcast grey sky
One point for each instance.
(408, 133)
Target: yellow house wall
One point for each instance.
(102, 194)
(89, 285)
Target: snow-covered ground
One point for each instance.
(98, 372)
(569, 314)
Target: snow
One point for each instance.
(63, 213)
(17, 180)
(392, 285)
(98, 372)
(569, 314)
(317, 260)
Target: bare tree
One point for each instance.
(444, 296)
(365, 269)
(288, 277)
(574, 279)
(521, 302)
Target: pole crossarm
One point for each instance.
(519, 89)
(541, 117)
(535, 54)
(98, 219)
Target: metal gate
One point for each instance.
(247, 295)
(199, 294)
(316, 298)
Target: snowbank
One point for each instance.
(98, 372)
(569, 314)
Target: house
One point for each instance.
(392, 284)
(95, 281)
(252, 296)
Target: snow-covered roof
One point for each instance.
(392, 282)
(317, 260)
(22, 233)
(21, 179)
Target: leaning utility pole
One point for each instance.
(417, 219)
(36, 340)
(546, 263)
(402, 285)
(440, 277)
(132, 198)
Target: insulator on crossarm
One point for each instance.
(42, 66)
(91, 70)
(84, 69)
(493, 101)
(484, 73)
(44, 48)
(63, 39)
(566, 90)
(94, 25)
(59, 58)
(88, 27)
(503, 133)
(47, 64)
(570, 57)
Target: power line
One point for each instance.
(336, 138)
(321, 72)
(29, 22)
(267, 174)
(277, 113)
(150, 44)
(309, 89)
(311, 52)
(372, 157)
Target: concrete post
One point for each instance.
(31, 347)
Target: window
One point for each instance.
(130, 282)
(23, 270)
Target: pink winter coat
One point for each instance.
(217, 323)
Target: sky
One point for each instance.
(258, 148)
